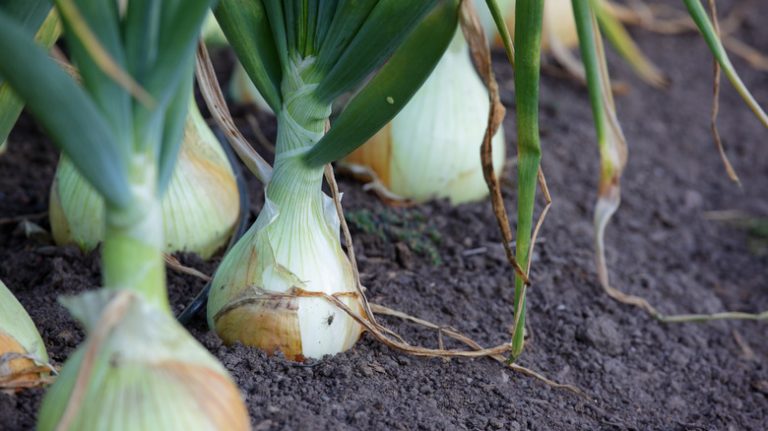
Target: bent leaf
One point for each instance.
(699, 16)
(610, 138)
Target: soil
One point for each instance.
(638, 374)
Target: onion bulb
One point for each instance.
(200, 207)
(138, 370)
(431, 149)
(21, 348)
(259, 292)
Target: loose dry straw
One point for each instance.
(209, 87)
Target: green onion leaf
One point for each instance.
(626, 47)
(325, 16)
(528, 24)
(278, 24)
(383, 31)
(28, 13)
(248, 30)
(75, 123)
(610, 138)
(699, 16)
(173, 130)
(340, 28)
(90, 22)
(10, 104)
(394, 85)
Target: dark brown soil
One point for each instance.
(639, 374)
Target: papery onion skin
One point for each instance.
(18, 335)
(431, 149)
(23, 369)
(147, 373)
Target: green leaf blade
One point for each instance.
(343, 24)
(528, 26)
(699, 16)
(388, 92)
(111, 97)
(75, 123)
(10, 104)
(173, 129)
(248, 29)
(388, 24)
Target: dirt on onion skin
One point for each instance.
(639, 374)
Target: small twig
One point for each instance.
(380, 309)
(548, 198)
(441, 342)
(336, 196)
(331, 179)
(540, 221)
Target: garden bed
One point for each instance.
(445, 265)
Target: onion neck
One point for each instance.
(132, 255)
(300, 124)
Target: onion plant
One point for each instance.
(301, 56)
(121, 129)
(200, 208)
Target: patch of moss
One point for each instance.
(408, 226)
